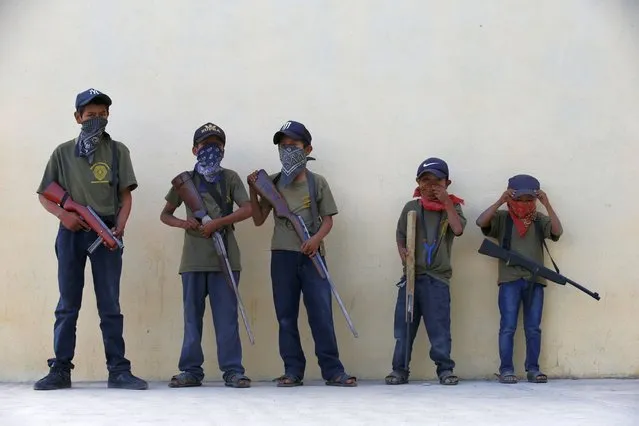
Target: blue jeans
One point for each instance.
(106, 267)
(511, 296)
(432, 302)
(293, 274)
(195, 287)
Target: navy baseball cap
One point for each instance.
(523, 185)
(433, 165)
(294, 130)
(91, 95)
(207, 130)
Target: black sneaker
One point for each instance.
(58, 378)
(126, 380)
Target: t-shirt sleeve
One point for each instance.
(51, 173)
(238, 190)
(546, 227)
(496, 224)
(126, 176)
(462, 218)
(325, 201)
(173, 198)
(402, 222)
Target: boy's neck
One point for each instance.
(301, 177)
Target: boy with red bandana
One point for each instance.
(520, 228)
(439, 220)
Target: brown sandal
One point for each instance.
(288, 381)
(343, 380)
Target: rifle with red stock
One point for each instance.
(267, 190)
(56, 194)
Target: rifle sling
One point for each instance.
(220, 199)
(432, 248)
(114, 181)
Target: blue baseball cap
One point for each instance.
(523, 185)
(433, 165)
(91, 95)
(294, 130)
(207, 130)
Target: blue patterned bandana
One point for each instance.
(92, 130)
(293, 161)
(209, 158)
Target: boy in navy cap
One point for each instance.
(523, 229)
(439, 220)
(292, 272)
(200, 270)
(96, 171)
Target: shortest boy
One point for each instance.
(439, 220)
(513, 229)
(200, 270)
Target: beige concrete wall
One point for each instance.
(495, 87)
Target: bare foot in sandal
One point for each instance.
(507, 378)
(396, 378)
(343, 380)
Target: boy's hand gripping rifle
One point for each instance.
(183, 184)
(265, 187)
(55, 193)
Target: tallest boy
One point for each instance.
(96, 171)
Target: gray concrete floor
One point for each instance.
(560, 402)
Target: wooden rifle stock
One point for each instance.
(183, 184)
(410, 278)
(55, 193)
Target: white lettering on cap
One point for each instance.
(94, 92)
(286, 125)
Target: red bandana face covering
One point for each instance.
(523, 213)
(435, 205)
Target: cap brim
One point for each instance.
(435, 172)
(521, 192)
(279, 135)
(101, 98)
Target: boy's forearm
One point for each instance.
(454, 221)
(325, 228)
(484, 219)
(50, 206)
(125, 211)
(555, 224)
(401, 249)
(170, 220)
(243, 213)
(256, 208)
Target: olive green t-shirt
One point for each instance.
(299, 202)
(428, 225)
(529, 245)
(88, 184)
(198, 253)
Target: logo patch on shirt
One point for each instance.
(100, 171)
(306, 202)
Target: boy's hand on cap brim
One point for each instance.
(542, 197)
(506, 196)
